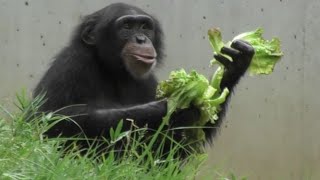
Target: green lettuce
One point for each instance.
(183, 90)
(267, 53)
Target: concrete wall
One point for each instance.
(272, 127)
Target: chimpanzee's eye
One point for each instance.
(127, 26)
(146, 26)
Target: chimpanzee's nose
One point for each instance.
(141, 39)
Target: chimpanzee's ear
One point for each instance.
(87, 33)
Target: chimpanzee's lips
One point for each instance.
(144, 58)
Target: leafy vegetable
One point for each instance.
(267, 53)
(183, 89)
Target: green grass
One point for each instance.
(26, 154)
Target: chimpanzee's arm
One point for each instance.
(94, 121)
(241, 53)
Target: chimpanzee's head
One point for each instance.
(124, 38)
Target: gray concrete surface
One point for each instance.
(272, 126)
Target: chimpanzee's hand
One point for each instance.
(185, 117)
(241, 53)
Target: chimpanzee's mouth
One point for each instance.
(144, 58)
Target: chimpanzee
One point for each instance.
(105, 74)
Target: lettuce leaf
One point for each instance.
(183, 90)
(267, 53)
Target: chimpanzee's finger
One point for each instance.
(223, 60)
(245, 42)
(230, 52)
(243, 47)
